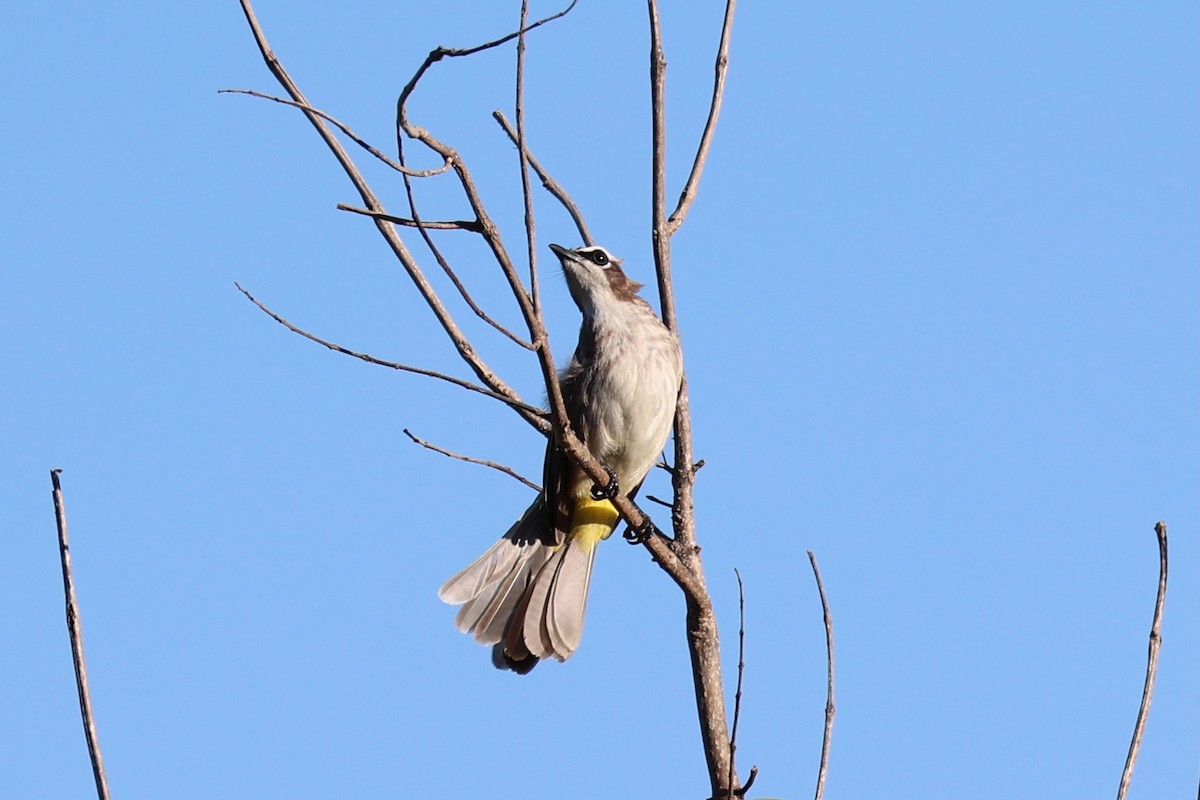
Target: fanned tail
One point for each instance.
(527, 595)
(489, 587)
(548, 619)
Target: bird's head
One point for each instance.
(594, 277)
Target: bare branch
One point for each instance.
(658, 170)
(509, 471)
(523, 155)
(710, 126)
(415, 173)
(741, 669)
(524, 408)
(438, 53)
(465, 350)
(702, 635)
(829, 706)
(1160, 531)
(75, 629)
(443, 225)
(681, 480)
(548, 182)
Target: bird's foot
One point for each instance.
(608, 491)
(640, 534)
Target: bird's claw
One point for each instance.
(609, 490)
(641, 534)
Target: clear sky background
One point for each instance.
(938, 298)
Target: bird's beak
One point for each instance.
(560, 251)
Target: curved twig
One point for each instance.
(509, 471)
(515, 402)
(830, 710)
(358, 140)
(490, 232)
(710, 126)
(548, 182)
(438, 53)
(75, 630)
(1139, 727)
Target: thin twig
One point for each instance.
(370, 359)
(548, 182)
(440, 225)
(523, 156)
(741, 669)
(438, 53)
(688, 195)
(414, 173)
(753, 776)
(1160, 531)
(75, 629)
(829, 706)
(658, 169)
(509, 471)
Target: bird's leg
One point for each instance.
(608, 491)
(642, 533)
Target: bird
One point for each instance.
(526, 596)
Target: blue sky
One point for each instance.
(938, 299)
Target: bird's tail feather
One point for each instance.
(548, 620)
(490, 586)
(527, 595)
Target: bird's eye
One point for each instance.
(599, 257)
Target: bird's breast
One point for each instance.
(629, 396)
